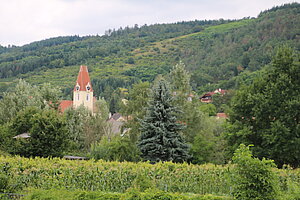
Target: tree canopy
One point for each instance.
(267, 112)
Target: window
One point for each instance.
(77, 96)
(87, 97)
(77, 87)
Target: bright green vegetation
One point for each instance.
(216, 52)
(45, 173)
(130, 195)
(77, 176)
(254, 178)
(266, 112)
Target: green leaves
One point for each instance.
(253, 178)
(269, 108)
(48, 134)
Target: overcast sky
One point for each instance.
(25, 21)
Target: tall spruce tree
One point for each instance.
(160, 139)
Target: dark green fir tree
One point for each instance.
(160, 139)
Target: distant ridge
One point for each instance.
(218, 53)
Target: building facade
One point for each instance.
(82, 93)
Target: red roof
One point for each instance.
(83, 79)
(64, 104)
(222, 115)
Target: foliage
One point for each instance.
(130, 195)
(3, 182)
(59, 174)
(115, 149)
(25, 95)
(48, 135)
(47, 130)
(179, 80)
(217, 52)
(76, 120)
(264, 113)
(135, 108)
(193, 118)
(209, 145)
(222, 102)
(55, 173)
(253, 178)
(84, 129)
(201, 131)
(209, 109)
(161, 139)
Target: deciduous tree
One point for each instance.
(267, 113)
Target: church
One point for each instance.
(82, 92)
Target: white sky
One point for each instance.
(25, 21)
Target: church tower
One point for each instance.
(83, 91)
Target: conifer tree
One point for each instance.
(160, 139)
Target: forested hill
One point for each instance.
(218, 53)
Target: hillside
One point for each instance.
(218, 53)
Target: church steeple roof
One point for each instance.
(83, 82)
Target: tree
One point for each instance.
(267, 113)
(47, 130)
(202, 132)
(135, 108)
(48, 134)
(208, 145)
(85, 128)
(180, 79)
(115, 149)
(160, 139)
(25, 95)
(208, 108)
(253, 178)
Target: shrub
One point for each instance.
(253, 178)
(3, 182)
(129, 195)
(115, 149)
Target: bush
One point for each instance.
(115, 149)
(253, 178)
(55, 173)
(129, 195)
(45, 173)
(3, 182)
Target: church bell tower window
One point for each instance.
(88, 87)
(77, 87)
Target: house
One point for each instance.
(207, 97)
(222, 116)
(82, 92)
(117, 121)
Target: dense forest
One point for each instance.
(218, 53)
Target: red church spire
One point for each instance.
(83, 82)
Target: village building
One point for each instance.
(82, 92)
(208, 97)
(83, 96)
